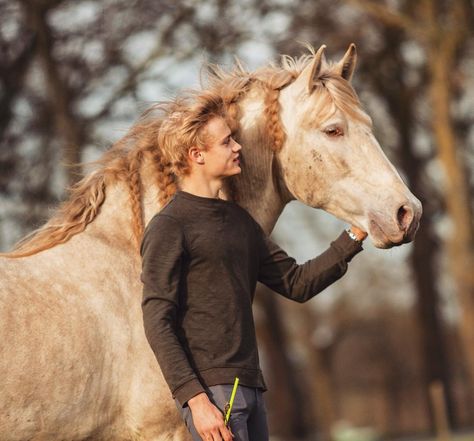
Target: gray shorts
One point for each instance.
(248, 419)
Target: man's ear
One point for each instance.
(195, 155)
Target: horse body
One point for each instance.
(76, 364)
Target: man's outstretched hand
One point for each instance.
(360, 234)
(208, 419)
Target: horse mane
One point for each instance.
(122, 162)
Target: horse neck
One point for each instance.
(113, 224)
(260, 187)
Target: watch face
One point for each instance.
(352, 235)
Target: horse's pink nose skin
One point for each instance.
(405, 216)
(408, 218)
(398, 228)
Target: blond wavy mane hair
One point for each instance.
(219, 96)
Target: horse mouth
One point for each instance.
(383, 240)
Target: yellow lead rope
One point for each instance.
(228, 407)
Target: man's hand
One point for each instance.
(360, 234)
(208, 419)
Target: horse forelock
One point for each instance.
(343, 97)
(122, 162)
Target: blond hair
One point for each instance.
(183, 126)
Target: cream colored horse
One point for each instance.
(74, 362)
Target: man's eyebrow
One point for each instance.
(227, 136)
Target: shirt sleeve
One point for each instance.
(163, 252)
(281, 273)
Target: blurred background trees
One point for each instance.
(75, 74)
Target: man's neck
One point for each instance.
(201, 187)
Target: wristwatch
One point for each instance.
(352, 235)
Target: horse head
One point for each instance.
(331, 159)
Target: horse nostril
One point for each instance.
(404, 217)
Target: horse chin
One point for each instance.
(383, 245)
(382, 240)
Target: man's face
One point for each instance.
(221, 159)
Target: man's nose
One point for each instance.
(237, 146)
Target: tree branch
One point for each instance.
(158, 51)
(387, 16)
(12, 76)
(58, 91)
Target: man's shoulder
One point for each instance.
(168, 216)
(163, 219)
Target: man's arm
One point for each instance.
(162, 253)
(281, 273)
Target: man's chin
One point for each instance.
(232, 172)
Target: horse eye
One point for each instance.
(334, 131)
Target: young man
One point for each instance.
(202, 257)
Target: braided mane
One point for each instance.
(122, 162)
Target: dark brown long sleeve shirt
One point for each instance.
(201, 260)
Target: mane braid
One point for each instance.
(135, 190)
(272, 116)
(71, 218)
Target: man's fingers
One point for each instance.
(208, 436)
(209, 423)
(205, 436)
(216, 436)
(225, 433)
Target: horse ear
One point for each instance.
(311, 71)
(346, 66)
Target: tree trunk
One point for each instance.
(58, 92)
(287, 404)
(320, 378)
(425, 251)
